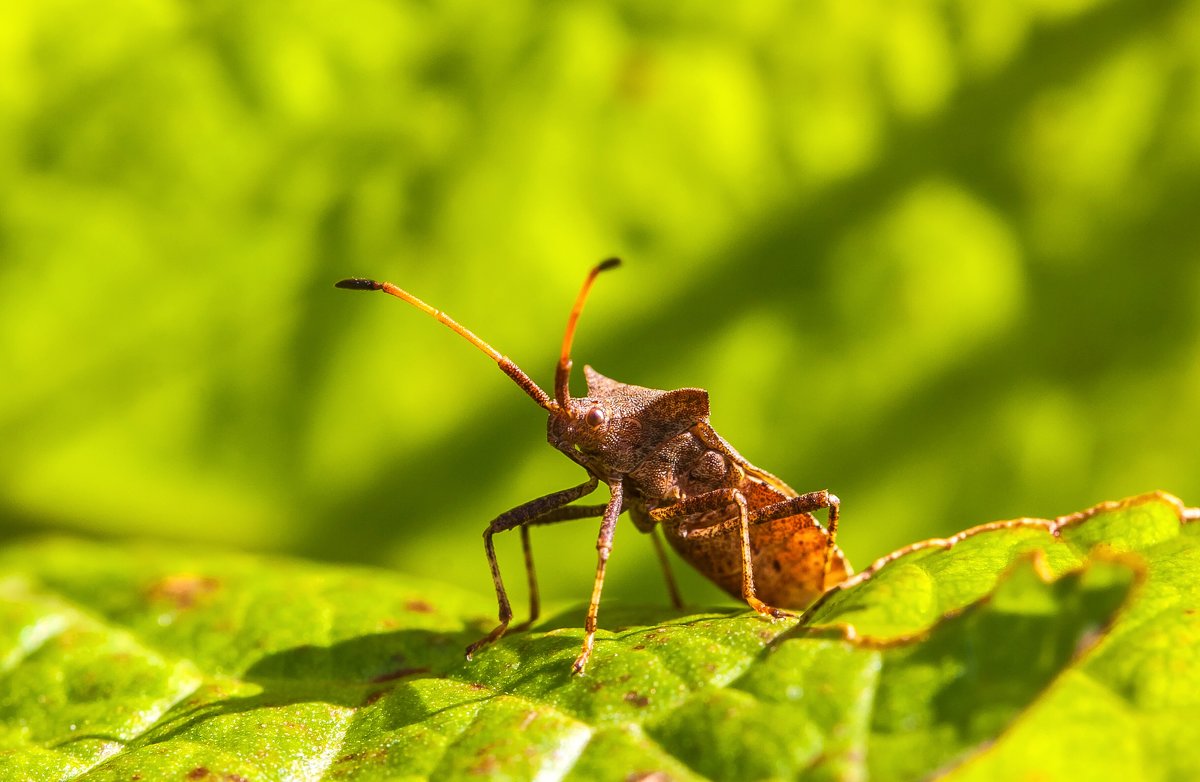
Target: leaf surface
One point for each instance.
(1065, 649)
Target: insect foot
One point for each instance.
(740, 526)
(766, 610)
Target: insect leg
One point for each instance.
(535, 603)
(805, 503)
(715, 500)
(641, 519)
(519, 516)
(567, 513)
(672, 587)
(603, 549)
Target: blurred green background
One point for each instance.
(938, 257)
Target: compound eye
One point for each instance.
(595, 417)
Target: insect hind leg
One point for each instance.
(714, 500)
(806, 503)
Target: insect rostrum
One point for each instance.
(743, 528)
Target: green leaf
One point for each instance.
(1064, 649)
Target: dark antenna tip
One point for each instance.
(357, 284)
(608, 263)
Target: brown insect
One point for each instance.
(743, 528)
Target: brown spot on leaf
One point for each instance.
(377, 756)
(419, 607)
(641, 701)
(184, 590)
(199, 772)
(487, 766)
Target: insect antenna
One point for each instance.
(562, 376)
(507, 366)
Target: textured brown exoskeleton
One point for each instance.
(743, 528)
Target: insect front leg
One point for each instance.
(517, 517)
(567, 513)
(603, 549)
(716, 500)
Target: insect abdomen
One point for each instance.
(788, 554)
